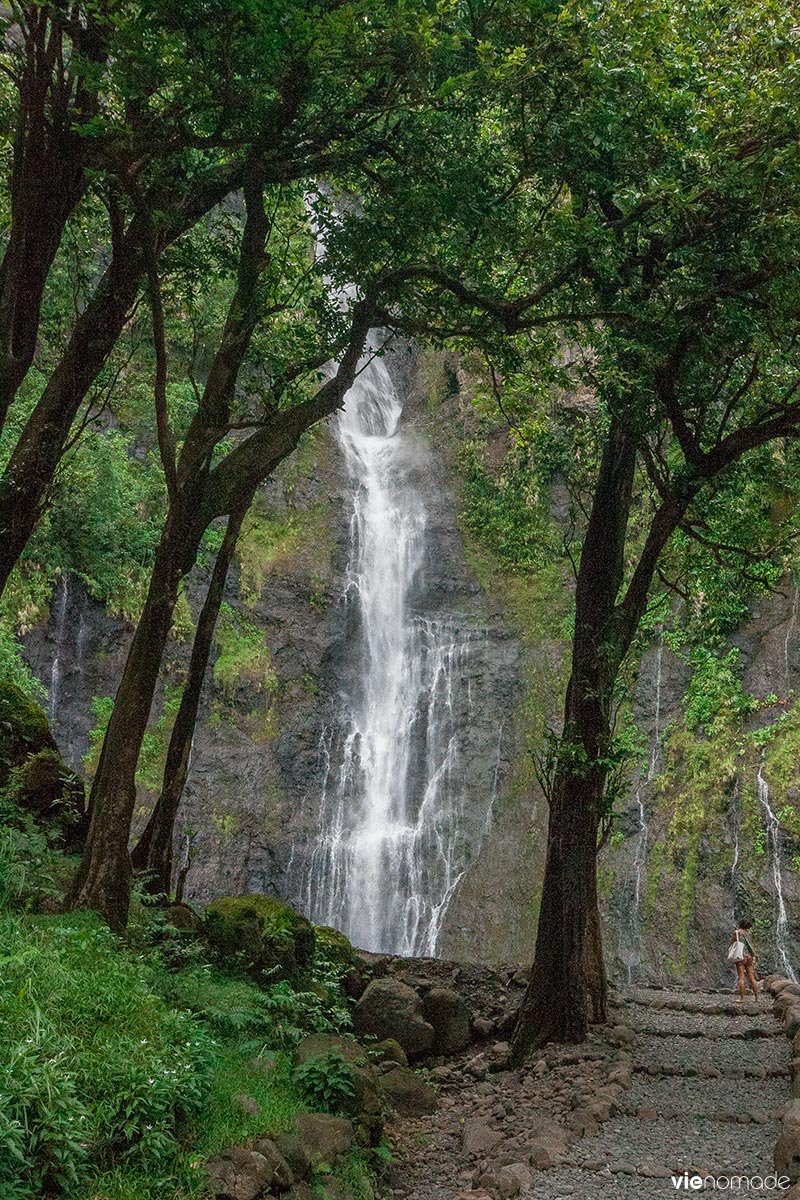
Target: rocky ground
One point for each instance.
(683, 1082)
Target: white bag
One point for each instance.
(736, 952)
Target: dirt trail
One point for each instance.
(684, 1082)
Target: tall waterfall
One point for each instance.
(389, 850)
(774, 832)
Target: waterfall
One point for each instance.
(56, 669)
(774, 832)
(390, 848)
(640, 858)
(643, 832)
(789, 631)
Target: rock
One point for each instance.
(323, 1139)
(647, 1114)
(391, 1009)
(583, 1122)
(183, 918)
(546, 1151)
(32, 772)
(482, 1028)
(238, 1174)
(247, 1105)
(388, 1051)
(365, 1106)
(259, 933)
(505, 1181)
(478, 1137)
(444, 1009)
(408, 1093)
(331, 944)
(787, 1154)
(302, 1191)
(791, 1020)
(282, 1175)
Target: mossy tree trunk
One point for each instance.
(152, 854)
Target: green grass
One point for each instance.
(119, 1075)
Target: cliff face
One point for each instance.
(694, 839)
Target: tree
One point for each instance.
(200, 491)
(650, 218)
(152, 854)
(177, 110)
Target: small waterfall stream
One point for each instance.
(774, 833)
(390, 848)
(790, 631)
(60, 612)
(643, 832)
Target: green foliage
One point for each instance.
(244, 657)
(29, 867)
(510, 513)
(715, 696)
(95, 1069)
(326, 1081)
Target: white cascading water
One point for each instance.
(791, 629)
(774, 833)
(56, 668)
(389, 854)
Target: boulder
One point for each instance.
(787, 1154)
(388, 1051)
(365, 1107)
(791, 1020)
(407, 1092)
(32, 772)
(260, 934)
(506, 1181)
(546, 1150)
(444, 1009)
(478, 1137)
(323, 1139)
(238, 1174)
(334, 946)
(390, 1009)
(282, 1175)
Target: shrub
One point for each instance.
(327, 1082)
(96, 1069)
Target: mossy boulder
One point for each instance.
(24, 729)
(33, 774)
(334, 946)
(260, 934)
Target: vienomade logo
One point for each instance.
(741, 1184)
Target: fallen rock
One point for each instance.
(324, 1139)
(787, 1154)
(391, 1009)
(388, 1050)
(282, 1174)
(408, 1093)
(238, 1174)
(448, 1014)
(478, 1137)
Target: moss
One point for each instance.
(261, 934)
(334, 946)
(24, 728)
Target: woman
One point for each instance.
(744, 963)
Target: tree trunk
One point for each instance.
(568, 959)
(29, 472)
(153, 852)
(104, 878)
(47, 179)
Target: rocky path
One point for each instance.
(685, 1083)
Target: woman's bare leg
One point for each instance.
(751, 979)
(740, 979)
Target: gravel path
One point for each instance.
(699, 1084)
